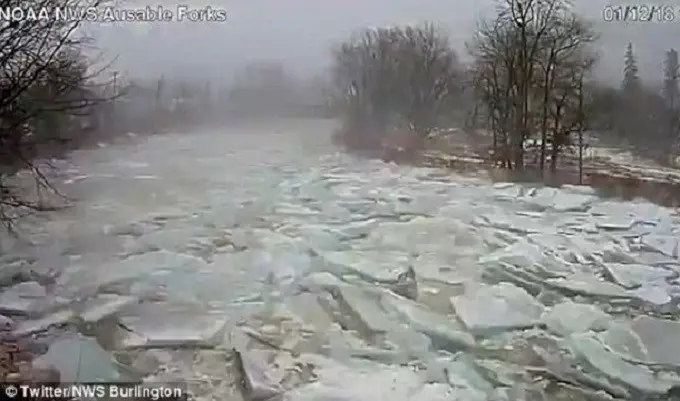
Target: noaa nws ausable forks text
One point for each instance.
(179, 13)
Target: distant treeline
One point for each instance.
(262, 90)
(530, 84)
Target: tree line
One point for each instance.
(530, 85)
(58, 93)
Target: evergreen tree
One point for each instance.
(671, 92)
(631, 80)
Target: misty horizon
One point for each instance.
(300, 35)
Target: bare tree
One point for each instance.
(568, 112)
(562, 55)
(43, 87)
(494, 76)
(526, 60)
(431, 67)
(402, 78)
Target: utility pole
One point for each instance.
(159, 92)
(115, 83)
(581, 126)
(113, 120)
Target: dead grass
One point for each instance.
(623, 178)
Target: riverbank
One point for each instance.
(613, 173)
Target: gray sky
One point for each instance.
(300, 32)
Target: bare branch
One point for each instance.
(44, 90)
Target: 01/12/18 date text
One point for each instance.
(641, 13)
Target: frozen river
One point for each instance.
(257, 261)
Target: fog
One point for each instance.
(193, 220)
(299, 33)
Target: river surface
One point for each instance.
(258, 261)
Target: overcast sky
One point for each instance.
(299, 33)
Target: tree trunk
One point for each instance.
(580, 157)
(581, 126)
(496, 157)
(517, 147)
(547, 81)
(555, 151)
(556, 140)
